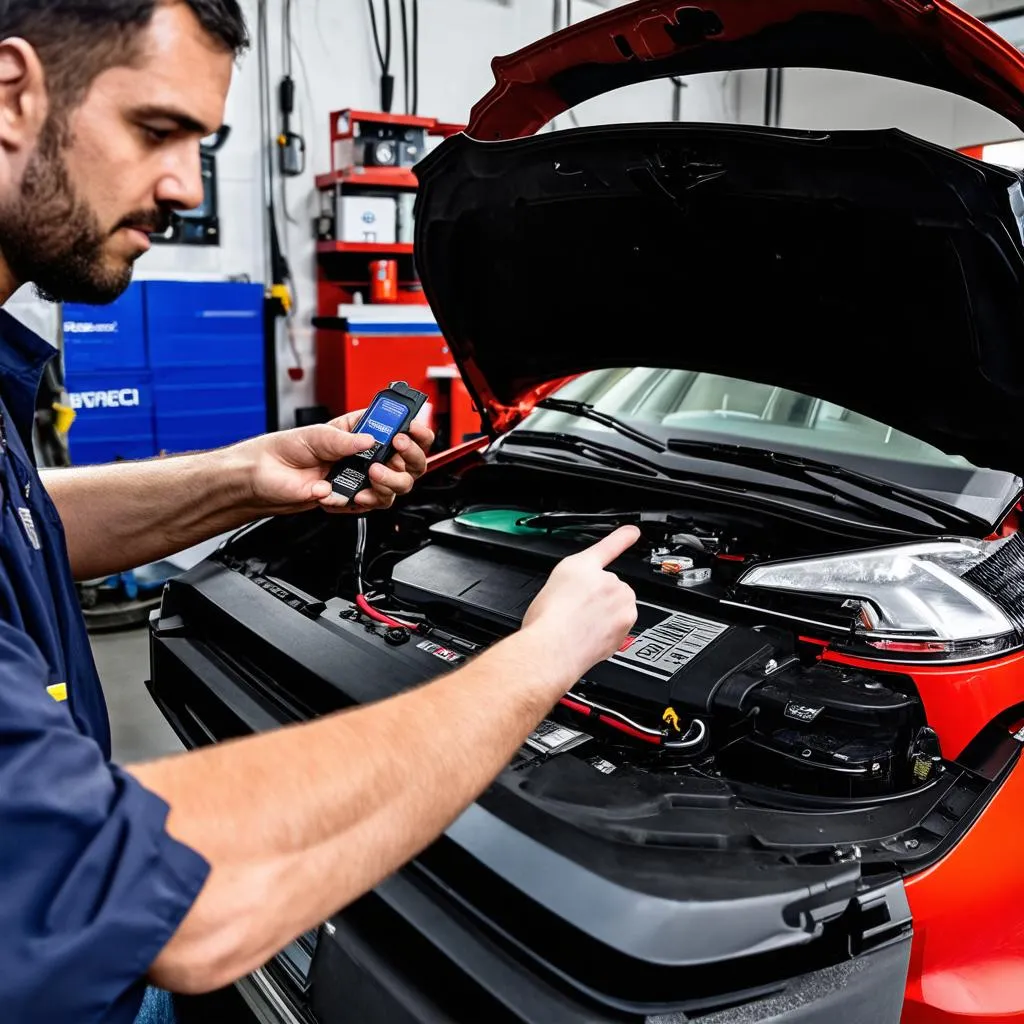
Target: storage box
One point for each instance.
(407, 218)
(366, 219)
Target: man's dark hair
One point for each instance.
(78, 39)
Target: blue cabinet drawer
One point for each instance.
(113, 416)
(106, 337)
(200, 324)
(201, 407)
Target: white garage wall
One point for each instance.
(812, 98)
(338, 68)
(458, 38)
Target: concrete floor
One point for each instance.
(139, 731)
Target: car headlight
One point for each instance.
(909, 599)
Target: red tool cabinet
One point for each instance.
(353, 365)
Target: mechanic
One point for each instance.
(192, 871)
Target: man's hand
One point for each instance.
(288, 469)
(586, 611)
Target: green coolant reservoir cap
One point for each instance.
(500, 520)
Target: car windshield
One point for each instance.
(684, 404)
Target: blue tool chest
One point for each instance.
(170, 367)
(113, 416)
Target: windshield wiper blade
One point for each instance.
(703, 483)
(586, 411)
(799, 466)
(604, 454)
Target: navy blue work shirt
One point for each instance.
(91, 885)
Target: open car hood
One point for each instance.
(870, 269)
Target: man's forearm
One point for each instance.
(333, 807)
(128, 514)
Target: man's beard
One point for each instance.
(50, 236)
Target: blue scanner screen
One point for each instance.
(383, 420)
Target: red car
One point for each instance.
(797, 362)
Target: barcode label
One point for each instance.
(672, 643)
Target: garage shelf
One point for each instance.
(369, 248)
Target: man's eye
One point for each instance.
(156, 134)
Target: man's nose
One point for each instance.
(181, 186)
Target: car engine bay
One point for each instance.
(705, 688)
(690, 689)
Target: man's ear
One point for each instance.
(24, 103)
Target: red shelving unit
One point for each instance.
(370, 177)
(343, 268)
(352, 363)
(366, 248)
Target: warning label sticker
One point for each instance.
(665, 648)
(603, 766)
(452, 657)
(551, 738)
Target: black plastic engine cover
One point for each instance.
(829, 729)
(834, 695)
(826, 763)
(469, 585)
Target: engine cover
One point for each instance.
(846, 732)
(820, 728)
(468, 586)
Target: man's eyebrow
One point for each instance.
(184, 121)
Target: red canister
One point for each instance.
(384, 281)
